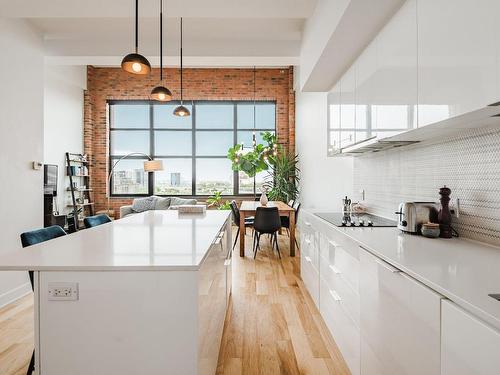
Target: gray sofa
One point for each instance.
(154, 203)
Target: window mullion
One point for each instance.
(151, 181)
(193, 148)
(236, 179)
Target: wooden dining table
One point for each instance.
(248, 208)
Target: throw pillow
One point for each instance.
(162, 203)
(176, 201)
(144, 204)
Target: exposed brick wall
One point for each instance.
(199, 84)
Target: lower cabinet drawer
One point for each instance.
(310, 277)
(344, 330)
(335, 279)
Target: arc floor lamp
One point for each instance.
(150, 165)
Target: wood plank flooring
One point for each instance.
(272, 326)
(16, 336)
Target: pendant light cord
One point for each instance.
(161, 41)
(136, 26)
(181, 64)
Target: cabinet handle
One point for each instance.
(334, 295)
(332, 243)
(381, 262)
(227, 262)
(307, 223)
(334, 269)
(307, 259)
(387, 266)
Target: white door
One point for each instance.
(400, 321)
(468, 345)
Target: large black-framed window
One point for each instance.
(193, 149)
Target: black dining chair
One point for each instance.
(94, 221)
(285, 220)
(267, 221)
(236, 221)
(32, 238)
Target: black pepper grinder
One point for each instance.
(444, 216)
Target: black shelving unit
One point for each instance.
(78, 171)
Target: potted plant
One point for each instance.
(283, 177)
(216, 201)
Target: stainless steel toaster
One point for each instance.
(411, 215)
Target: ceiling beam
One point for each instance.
(329, 49)
(173, 61)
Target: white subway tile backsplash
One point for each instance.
(469, 164)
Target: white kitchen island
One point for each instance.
(146, 294)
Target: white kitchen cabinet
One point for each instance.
(309, 256)
(348, 108)
(333, 99)
(367, 91)
(395, 77)
(339, 297)
(457, 57)
(341, 325)
(468, 346)
(400, 321)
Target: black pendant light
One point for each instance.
(134, 62)
(160, 92)
(181, 111)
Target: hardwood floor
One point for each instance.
(16, 336)
(272, 326)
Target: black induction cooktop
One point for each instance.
(356, 220)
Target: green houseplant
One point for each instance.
(283, 172)
(217, 202)
(283, 177)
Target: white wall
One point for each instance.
(324, 181)
(63, 121)
(21, 142)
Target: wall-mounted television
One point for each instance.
(50, 180)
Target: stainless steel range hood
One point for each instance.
(487, 117)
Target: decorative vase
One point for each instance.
(263, 199)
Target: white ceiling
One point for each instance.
(224, 32)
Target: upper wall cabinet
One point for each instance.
(379, 92)
(457, 57)
(334, 120)
(433, 61)
(396, 74)
(367, 91)
(348, 108)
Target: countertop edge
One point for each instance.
(471, 308)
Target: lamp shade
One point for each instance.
(181, 111)
(153, 166)
(161, 94)
(136, 64)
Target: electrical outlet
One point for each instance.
(63, 291)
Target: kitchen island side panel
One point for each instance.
(127, 323)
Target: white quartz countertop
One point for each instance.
(153, 240)
(462, 270)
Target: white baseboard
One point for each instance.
(14, 294)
